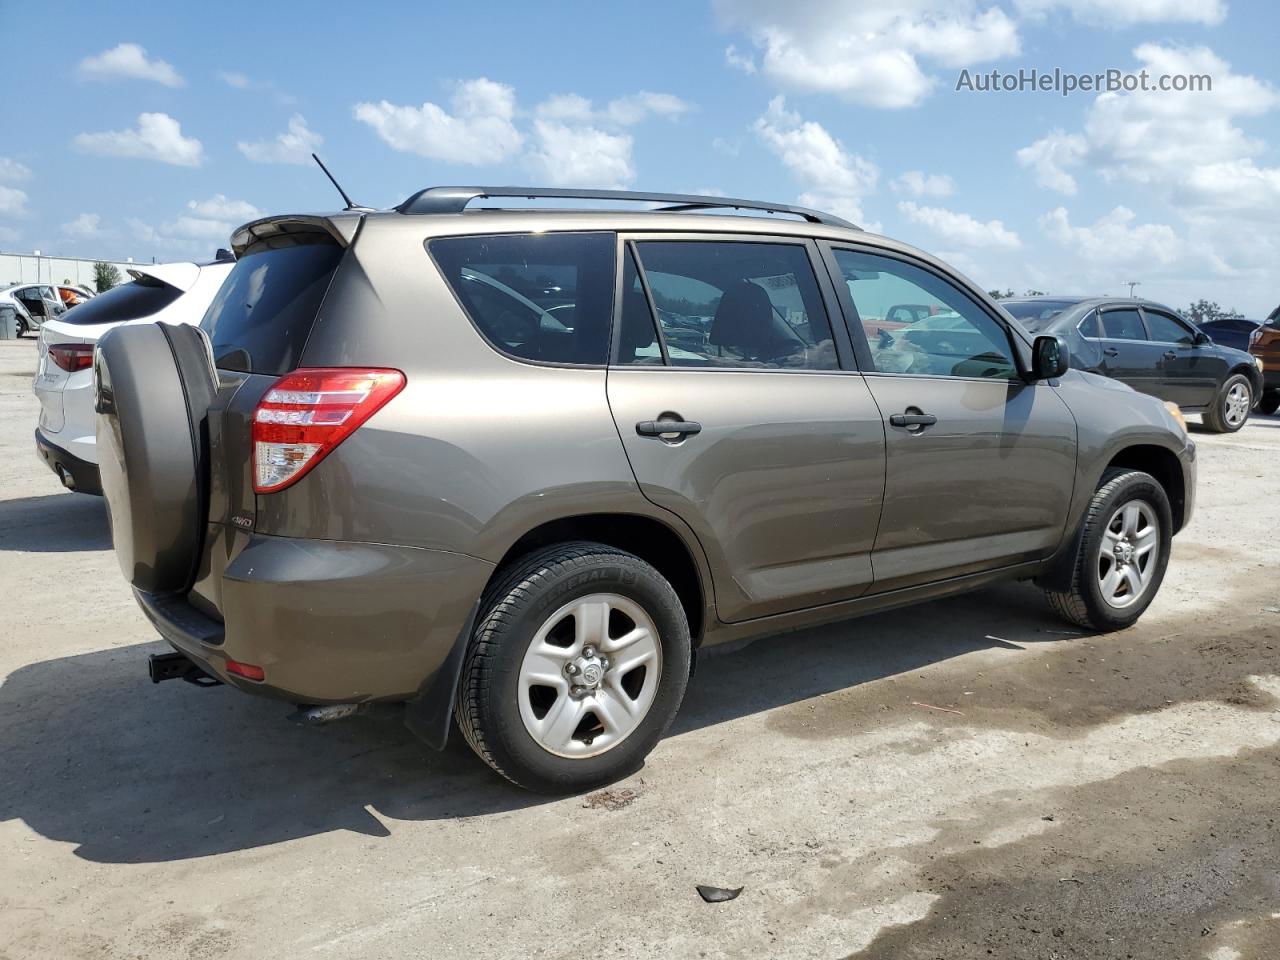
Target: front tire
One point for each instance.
(577, 666)
(1122, 554)
(1230, 408)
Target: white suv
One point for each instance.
(168, 292)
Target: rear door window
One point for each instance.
(737, 304)
(129, 301)
(1165, 329)
(545, 297)
(1123, 324)
(260, 320)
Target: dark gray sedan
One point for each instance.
(1151, 348)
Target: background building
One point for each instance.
(33, 268)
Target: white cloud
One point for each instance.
(920, 184)
(739, 61)
(84, 227)
(1051, 155)
(129, 60)
(1186, 148)
(233, 78)
(295, 145)
(11, 171)
(207, 225)
(157, 137)
(218, 207)
(960, 228)
(833, 178)
(478, 131)
(869, 53)
(1125, 13)
(568, 155)
(13, 202)
(623, 112)
(630, 110)
(1115, 241)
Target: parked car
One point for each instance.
(370, 475)
(65, 436)
(1264, 344)
(1153, 349)
(1232, 332)
(34, 303)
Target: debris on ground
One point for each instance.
(718, 894)
(610, 799)
(930, 706)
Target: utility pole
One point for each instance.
(1132, 284)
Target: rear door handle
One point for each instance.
(1111, 352)
(657, 428)
(1171, 354)
(913, 419)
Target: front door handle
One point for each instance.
(917, 420)
(1111, 352)
(658, 428)
(1171, 354)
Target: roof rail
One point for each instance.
(455, 200)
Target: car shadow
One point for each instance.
(57, 523)
(131, 772)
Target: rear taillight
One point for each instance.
(1255, 336)
(309, 412)
(72, 356)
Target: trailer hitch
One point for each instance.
(178, 666)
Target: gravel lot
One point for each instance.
(1075, 796)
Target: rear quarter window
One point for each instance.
(261, 317)
(545, 297)
(129, 301)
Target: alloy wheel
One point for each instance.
(590, 675)
(1127, 559)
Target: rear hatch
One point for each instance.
(66, 344)
(258, 326)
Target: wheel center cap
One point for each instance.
(1124, 552)
(590, 672)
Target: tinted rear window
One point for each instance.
(129, 301)
(546, 297)
(1035, 315)
(261, 318)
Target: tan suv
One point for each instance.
(1264, 343)
(519, 466)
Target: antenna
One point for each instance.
(350, 204)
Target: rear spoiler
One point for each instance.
(340, 226)
(180, 275)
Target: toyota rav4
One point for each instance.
(518, 467)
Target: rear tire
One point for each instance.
(1269, 403)
(1122, 554)
(577, 666)
(1230, 408)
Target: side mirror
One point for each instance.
(1050, 358)
(1202, 338)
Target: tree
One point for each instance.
(1034, 293)
(105, 276)
(1204, 311)
(999, 294)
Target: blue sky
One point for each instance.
(152, 130)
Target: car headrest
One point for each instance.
(744, 320)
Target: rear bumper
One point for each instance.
(328, 621)
(75, 473)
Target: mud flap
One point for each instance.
(430, 714)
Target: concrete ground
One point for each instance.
(969, 778)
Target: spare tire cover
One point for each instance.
(153, 384)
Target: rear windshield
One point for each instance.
(1035, 315)
(546, 297)
(129, 301)
(261, 318)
